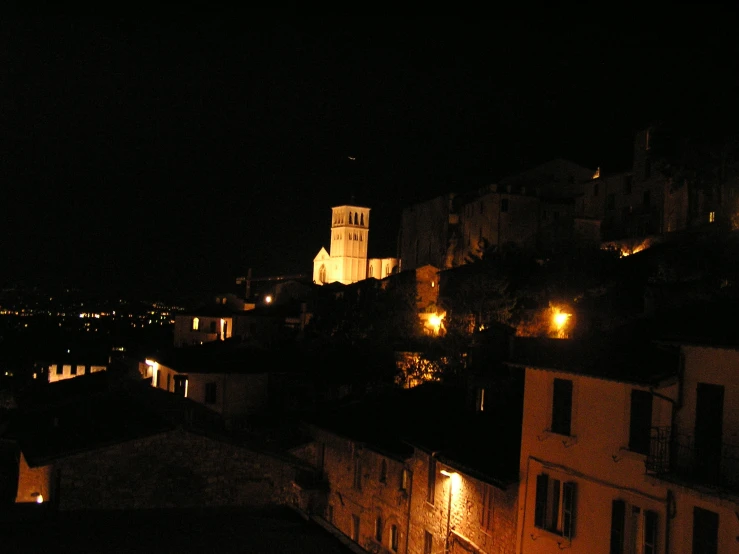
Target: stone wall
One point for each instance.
(174, 469)
(463, 526)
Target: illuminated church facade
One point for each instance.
(346, 261)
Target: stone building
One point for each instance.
(347, 261)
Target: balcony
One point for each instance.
(702, 462)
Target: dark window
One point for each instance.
(361, 220)
(357, 474)
(705, 532)
(355, 528)
(59, 369)
(504, 205)
(169, 380)
(647, 199)
(210, 393)
(180, 384)
(488, 508)
(627, 533)
(651, 531)
(212, 326)
(611, 202)
(562, 407)
(627, 184)
(618, 521)
(428, 543)
(555, 505)
(383, 471)
(73, 370)
(595, 189)
(431, 491)
(394, 538)
(640, 422)
(378, 529)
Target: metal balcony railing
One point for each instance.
(700, 462)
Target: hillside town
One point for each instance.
(546, 363)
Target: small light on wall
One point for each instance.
(268, 298)
(38, 496)
(433, 284)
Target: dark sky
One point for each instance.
(167, 155)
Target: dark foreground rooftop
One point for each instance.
(276, 531)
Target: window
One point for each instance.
(431, 490)
(711, 217)
(383, 471)
(705, 532)
(180, 385)
(480, 404)
(595, 189)
(405, 479)
(350, 236)
(195, 323)
(647, 199)
(555, 506)
(633, 530)
(611, 202)
(488, 508)
(628, 180)
(640, 423)
(212, 326)
(378, 529)
(504, 205)
(210, 393)
(355, 528)
(394, 538)
(357, 474)
(361, 220)
(169, 380)
(428, 543)
(157, 377)
(562, 407)
(73, 370)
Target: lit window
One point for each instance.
(195, 323)
(711, 217)
(405, 479)
(555, 505)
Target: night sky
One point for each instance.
(166, 156)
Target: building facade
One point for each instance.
(346, 261)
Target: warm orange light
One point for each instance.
(268, 298)
(560, 319)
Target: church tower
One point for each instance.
(347, 260)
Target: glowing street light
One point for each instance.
(268, 299)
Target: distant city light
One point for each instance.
(268, 298)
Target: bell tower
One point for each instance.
(349, 238)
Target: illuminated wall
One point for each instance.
(69, 371)
(195, 329)
(33, 482)
(478, 517)
(365, 487)
(594, 456)
(346, 262)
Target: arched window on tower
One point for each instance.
(355, 220)
(350, 218)
(350, 236)
(322, 274)
(361, 220)
(360, 237)
(371, 271)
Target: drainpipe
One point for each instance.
(448, 516)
